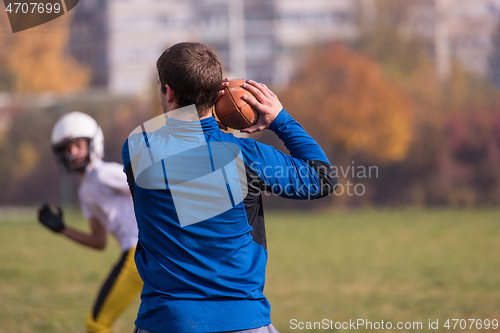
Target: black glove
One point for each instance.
(53, 221)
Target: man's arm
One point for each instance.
(307, 173)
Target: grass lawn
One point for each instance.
(391, 265)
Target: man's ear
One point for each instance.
(170, 94)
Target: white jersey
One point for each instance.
(104, 194)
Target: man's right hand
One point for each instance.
(50, 219)
(265, 102)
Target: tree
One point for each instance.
(494, 59)
(344, 100)
(35, 61)
(433, 174)
(5, 45)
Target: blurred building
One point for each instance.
(459, 30)
(299, 25)
(88, 41)
(257, 39)
(138, 32)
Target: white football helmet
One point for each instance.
(77, 125)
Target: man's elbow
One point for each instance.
(332, 185)
(327, 178)
(100, 244)
(100, 247)
(328, 185)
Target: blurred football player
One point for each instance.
(78, 145)
(202, 249)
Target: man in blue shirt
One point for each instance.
(202, 249)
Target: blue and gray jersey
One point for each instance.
(202, 249)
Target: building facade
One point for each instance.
(259, 39)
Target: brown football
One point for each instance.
(232, 110)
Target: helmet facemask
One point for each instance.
(65, 160)
(76, 126)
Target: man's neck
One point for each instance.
(188, 113)
(207, 115)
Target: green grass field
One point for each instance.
(391, 265)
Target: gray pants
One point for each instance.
(264, 329)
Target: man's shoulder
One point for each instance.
(231, 137)
(248, 148)
(244, 143)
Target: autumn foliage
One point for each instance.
(375, 103)
(343, 98)
(35, 60)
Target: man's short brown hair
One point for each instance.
(194, 73)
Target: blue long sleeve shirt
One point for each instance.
(202, 249)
